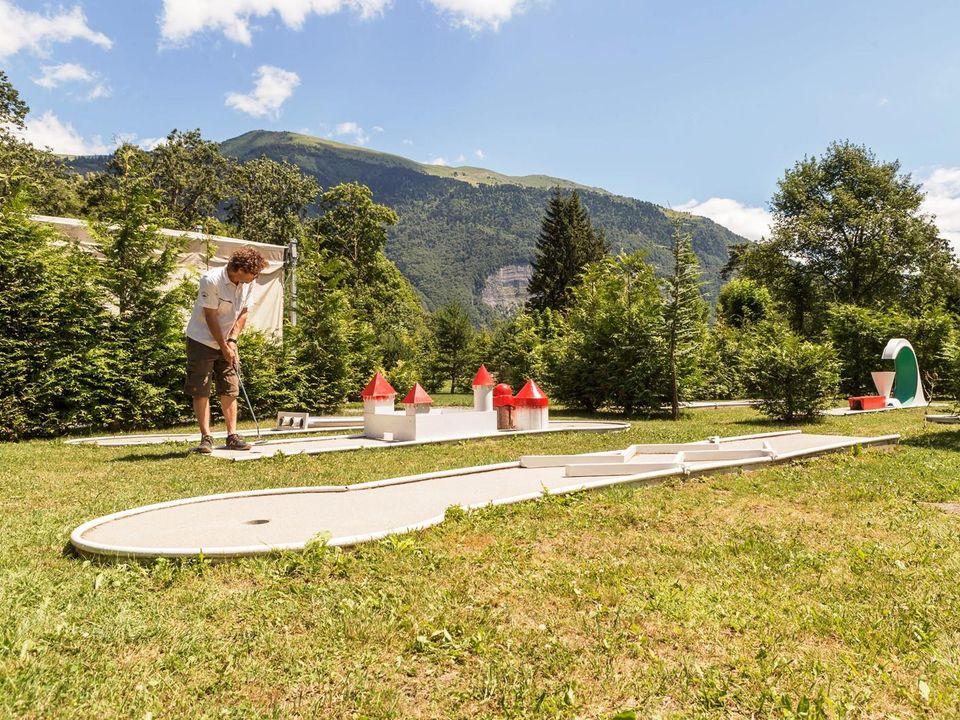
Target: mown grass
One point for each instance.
(827, 588)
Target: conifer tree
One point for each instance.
(683, 312)
(567, 242)
(141, 358)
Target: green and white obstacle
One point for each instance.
(907, 387)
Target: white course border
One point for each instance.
(89, 547)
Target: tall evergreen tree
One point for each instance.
(452, 334)
(141, 357)
(682, 313)
(567, 242)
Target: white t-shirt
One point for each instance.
(228, 299)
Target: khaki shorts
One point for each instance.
(204, 361)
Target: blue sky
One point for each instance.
(699, 105)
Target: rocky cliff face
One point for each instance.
(507, 286)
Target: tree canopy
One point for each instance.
(847, 228)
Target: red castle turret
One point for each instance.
(531, 408)
(417, 400)
(482, 390)
(378, 396)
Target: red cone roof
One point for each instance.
(378, 389)
(483, 377)
(417, 396)
(531, 396)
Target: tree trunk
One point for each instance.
(674, 399)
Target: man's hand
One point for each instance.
(230, 354)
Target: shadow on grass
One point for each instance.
(171, 455)
(765, 422)
(947, 440)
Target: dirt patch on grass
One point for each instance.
(951, 508)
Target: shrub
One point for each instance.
(794, 379)
(519, 348)
(51, 317)
(613, 353)
(267, 378)
(742, 301)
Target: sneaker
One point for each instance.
(235, 442)
(206, 444)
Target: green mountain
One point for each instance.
(467, 234)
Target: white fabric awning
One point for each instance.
(201, 253)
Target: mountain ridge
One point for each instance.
(468, 235)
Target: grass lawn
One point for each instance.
(826, 588)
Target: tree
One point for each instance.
(847, 229)
(141, 355)
(793, 378)
(13, 110)
(452, 333)
(270, 200)
(612, 350)
(683, 313)
(567, 243)
(743, 301)
(37, 176)
(353, 226)
(192, 176)
(352, 231)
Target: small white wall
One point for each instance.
(429, 426)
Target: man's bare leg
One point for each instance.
(228, 405)
(201, 408)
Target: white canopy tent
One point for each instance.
(201, 253)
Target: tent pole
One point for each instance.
(293, 254)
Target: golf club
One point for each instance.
(246, 397)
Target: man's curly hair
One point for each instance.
(247, 259)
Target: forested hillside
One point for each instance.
(458, 226)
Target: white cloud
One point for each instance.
(22, 29)
(480, 14)
(52, 76)
(407, 142)
(183, 18)
(750, 222)
(461, 158)
(48, 131)
(272, 87)
(479, 153)
(152, 143)
(352, 130)
(99, 91)
(942, 187)
(438, 161)
(377, 129)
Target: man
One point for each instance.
(219, 315)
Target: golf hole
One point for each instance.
(256, 522)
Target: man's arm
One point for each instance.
(239, 324)
(228, 350)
